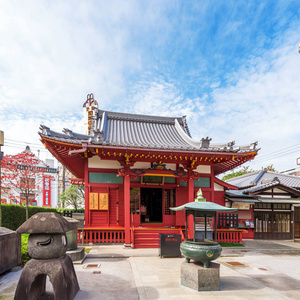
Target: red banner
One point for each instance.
(46, 191)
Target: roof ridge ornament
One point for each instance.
(68, 132)
(231, 144)
(90, 108)
(185, 125)
(253, 145)
(205, 142)
(45, 130)
(90, 101)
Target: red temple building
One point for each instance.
(135, 167)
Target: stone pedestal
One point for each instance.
(10, 249)
(77, 255)
(195, 276)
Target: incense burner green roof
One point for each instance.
(201, 250)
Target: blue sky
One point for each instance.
(232, 67)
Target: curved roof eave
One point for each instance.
(203, 207)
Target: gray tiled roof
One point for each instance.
(261, 187)
(71, 137)
(246, 193)
(238, 193)
(248, 180)
(142, 131)
(274, 183)
(131, 130)
(244, 180)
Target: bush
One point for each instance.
(226, 244)
(24, 254)
(14, 216)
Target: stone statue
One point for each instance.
(47, 245)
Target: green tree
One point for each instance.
(20, 176)
(246, 170)
(73, 196)
(271, 168)
(243, 171)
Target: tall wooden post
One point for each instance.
(87, 194)
(127, 209)
(190, 186)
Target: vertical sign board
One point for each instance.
(46, 191)
(1, 138)
(103, 201)
(94, 205)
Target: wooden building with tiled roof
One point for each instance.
(135, 167)
(275, 200)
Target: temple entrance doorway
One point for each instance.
(151, 205)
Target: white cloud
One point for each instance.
(260, 103)
(161, 98)
(263, 105)
(20, 132)
(53, 53)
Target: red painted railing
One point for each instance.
(101, 236)
(118, 235)
(230, 235)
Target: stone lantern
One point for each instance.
(47, 245)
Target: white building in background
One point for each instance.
(48, 182)
(46, 195)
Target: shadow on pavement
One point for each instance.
(278, 282)
(231, 283)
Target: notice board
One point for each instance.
(103, 201)
(94, 203)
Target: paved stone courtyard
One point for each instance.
(261, 270)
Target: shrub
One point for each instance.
(226, 244)
(24, 254)
(14, 216)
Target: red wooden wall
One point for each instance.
(112, 217)
(181, 198)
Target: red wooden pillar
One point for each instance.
(127, 209)
(190, 188)
(212, 184)
(87, 221)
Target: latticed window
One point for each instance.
(169, 201)
(228, 220)
(134, 200)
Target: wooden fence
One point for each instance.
(69, 213)
(230, 235)
(97, 236)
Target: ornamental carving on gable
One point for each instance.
(135, 173)
(190, 175)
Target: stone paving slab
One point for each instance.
(140, 274)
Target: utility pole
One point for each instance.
(1, 144)
(64, 181)
(64, 178)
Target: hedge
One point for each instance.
(14, 216)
